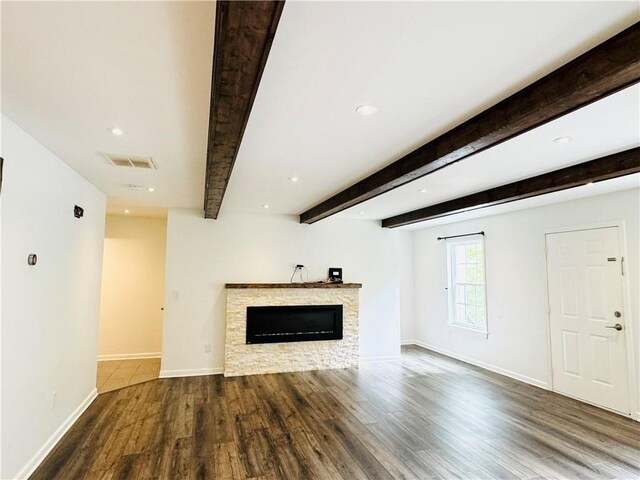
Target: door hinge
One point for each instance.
(622, 266)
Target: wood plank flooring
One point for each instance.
(424, 417)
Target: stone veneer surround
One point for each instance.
(243, 359)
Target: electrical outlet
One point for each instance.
(207, 348)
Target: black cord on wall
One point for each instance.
(301, 269)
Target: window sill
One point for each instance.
(480, 330)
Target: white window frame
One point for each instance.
(451, 283)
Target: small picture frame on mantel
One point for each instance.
(335, 275)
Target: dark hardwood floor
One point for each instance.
(424, 417)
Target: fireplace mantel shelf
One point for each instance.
(293, 285)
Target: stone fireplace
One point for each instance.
(292, 327)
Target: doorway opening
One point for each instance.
(131, 310)
(588, 327)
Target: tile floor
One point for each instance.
(114, 374)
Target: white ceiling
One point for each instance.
(608, 126)
(600, 188)
(428, 66)
(70, 70)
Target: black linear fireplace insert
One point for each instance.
(300, 323)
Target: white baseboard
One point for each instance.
(408, 342)
(389, 358)
(129, 356)
(51, 442)
(193, 372)
(487, 366)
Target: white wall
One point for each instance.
(0, 319)
(132, 287)
(516, 282)
(203, 255)
(50, 311)
(407, 333)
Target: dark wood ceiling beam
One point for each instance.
(604, 168)
(608, 68)
(244, 33)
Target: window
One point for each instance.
(466, 283)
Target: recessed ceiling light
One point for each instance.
(565, 139)
(115, 131)
(293, 179)
(265, 206)
(367, 109)
(422, 190)
(151, 189)
(127, 211)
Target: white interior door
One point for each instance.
(587, 321)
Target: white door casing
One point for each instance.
(589, 360)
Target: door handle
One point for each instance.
(617, 326)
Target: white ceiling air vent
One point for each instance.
(131, 161)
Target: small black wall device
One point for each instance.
(78, 212)
(335, 275)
